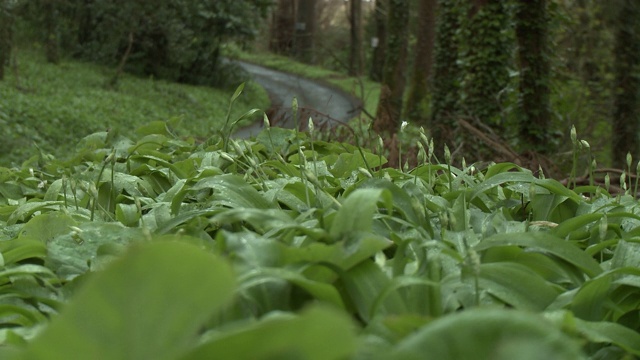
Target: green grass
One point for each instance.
(54, 106)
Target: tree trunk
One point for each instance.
(533, 54)
(52, 45)
(379, 43)
(356, 55)
(487, 57)
(626, 122)
(6, 36)
(446, 75)
(305, 26)
(423, 62)
(283, 27)
(394, 79)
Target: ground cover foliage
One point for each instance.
(55, 105)
(284, 246)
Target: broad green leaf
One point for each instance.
(547, 243)
(320, 291)
(24, 211)
(316, 334)
(517, 286)
(47, 226)
(127, 214)
(231, 190)
(148, 305)
(610, 333)
(70, 254)
(363, 284)
(487, 333)
(597, 331)
(401, 200)
(566, 227)
(626, 254)
(356, 213)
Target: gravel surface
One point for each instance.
(319, 101)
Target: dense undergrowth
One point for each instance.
(52, 106)
(148, 246)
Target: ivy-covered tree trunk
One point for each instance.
(303, 42)
(356, 54)
(486, 57)
(533, 57)
(393, 80)
(446, 74)
(423, 62)
(380, 41)
(626, 120)
(6, 35)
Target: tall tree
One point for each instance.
(283, 27)
(532, 24)
(356, 53)
(626, 120)
(303, 42)
(446, 73)
(394, 77)
(6, 34)
(422, 63)
(52, 46)
(380, 40)
(486, 57)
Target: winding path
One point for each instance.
(323, 103)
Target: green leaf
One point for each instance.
(487, 334)
(316, 334)
(517, 286)
(356, 213)
(320, 291)
(547, 243)
(231, 190)
(364, 284)
(148, 305)
(608, 332)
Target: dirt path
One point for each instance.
(319, 101)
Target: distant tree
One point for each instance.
(534, 119)
(305, 27)
(380, 41)
(6, 34)
(177, 40)
(422, 63)
(283, 27)
(446, 74)
(486, 56)
(356, 52)
(394, 76)
(52, 45)
(626, 119)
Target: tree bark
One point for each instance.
(305, 26)
(487, 56)
(533, 57)
(380, 41)
(6, 36)
(423, 62)
(283, 27)
(626, 122)
(393, 82)
(446, 75)
(356, 55)
(52, 45)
